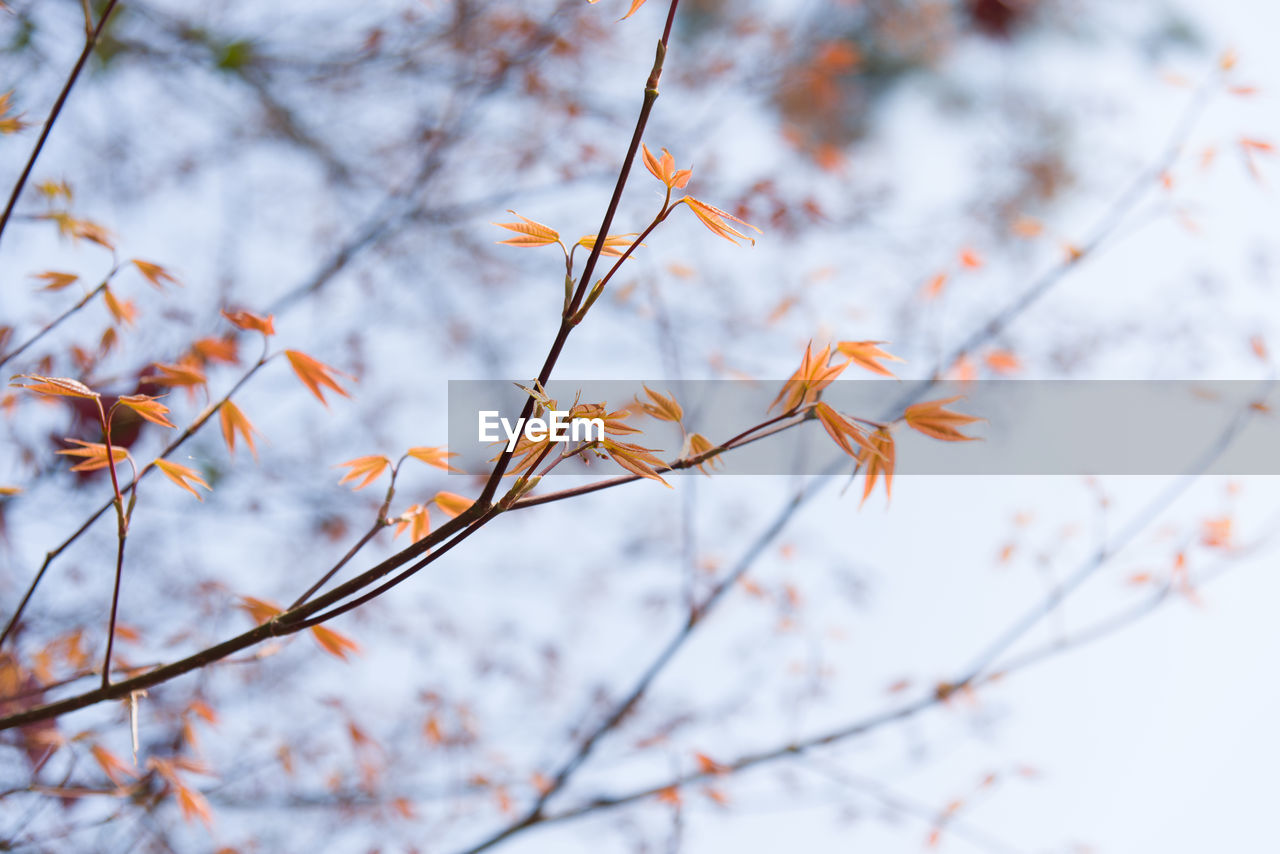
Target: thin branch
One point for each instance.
(187, 433)
(89, 45)
(972, 678)
(85, 300)
(584, 282)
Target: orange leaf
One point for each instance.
(259, 609)
(148, 407)
(122, 312)
(714, 218)
(664, 408)
(838, 428)
(1028, 227)
(669, 795)
(635, 4)
(367, 467)
(866, 354)
(1003, 362)
(183, 374)
(635, 459)
(880, 463)
(215, 350)
(115, 768)
(970, 259)
(437, 457)
(180, 474)
(695, 446)
(806, 384)
(664, 168)
(80, 229)
(334, 643)
(193, 804)
(416, 520)
(614, 244)
(933, 288)
(8, 123)
(452, 504)
(55, 386)
(249, 320)
(233, 421)
(56, 281)
(154, 273)
(933, 420)
(532, 233)
(94, 455)
(315, 375)
(1217, 533)
(707, 765)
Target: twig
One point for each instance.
(90, 42)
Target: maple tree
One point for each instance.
(114, 696)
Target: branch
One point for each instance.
(91, 41)
(897, 714)
(191, 430)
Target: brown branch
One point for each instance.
(187, 433)
(588, 269)
(53, 324)
(900, 713)
(90, 42)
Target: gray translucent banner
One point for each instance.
(1050, 427)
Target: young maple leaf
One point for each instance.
(56, 281)
(185, 374)
(614, 244)
(531, 233)
(714, 219)
(334, 643)
(635, 4)
(807, 383)
(707, 765)
(664, 168)
(233, 421)
(155, 274)
(635, 459)
(1003, 362)
(933, 420)
(866, 354)
(416, 520)
(452, 504)
(148, 407)
(663, 408)
(367, 467)
(879, 463)
(10, 124)
(260, 610)
(113, 766)
(55, 386)
(121, 312)
(80, 229)
(249, 320)
(841, 430)
(697, 445)
(437, 457)
(192, 803)
(180, 474)
(93, 454)
(205, 350)
(315, 375)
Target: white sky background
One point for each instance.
(1160, 738)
